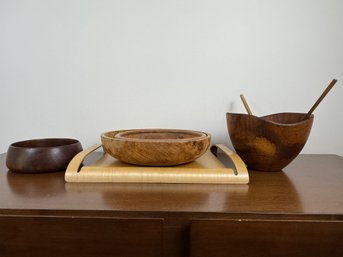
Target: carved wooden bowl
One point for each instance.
(271, 142)
(155, 147)
(42, 155)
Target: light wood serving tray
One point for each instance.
(207, 169)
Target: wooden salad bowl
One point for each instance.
(271, 142)
(155, 147)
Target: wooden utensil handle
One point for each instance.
(245, 103)
(333, 82)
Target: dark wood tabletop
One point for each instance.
(310, 188)
(311, 185)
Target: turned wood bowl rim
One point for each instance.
(198, 135)
(59, 142)
(274, 114)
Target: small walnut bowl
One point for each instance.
(42, 155)
(271, 142)
(155, 147)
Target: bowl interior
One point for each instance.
(43, 143)
(286, 118)
(159, 134)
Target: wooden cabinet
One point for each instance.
(296, 212)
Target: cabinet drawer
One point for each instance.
(64, 236)
(266, 238)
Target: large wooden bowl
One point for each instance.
(42, 155)
(271, 142)
(155, 147)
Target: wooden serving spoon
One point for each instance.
(326, 91)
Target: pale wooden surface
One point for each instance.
(207, 170)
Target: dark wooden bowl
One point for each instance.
(155, 147)
(42, 155)
(271, 142)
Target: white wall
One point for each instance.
(76, 68)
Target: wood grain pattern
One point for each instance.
(155, 147)
(271, 142)
(207, 169)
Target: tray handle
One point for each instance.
(238, 165)
(76, 163)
